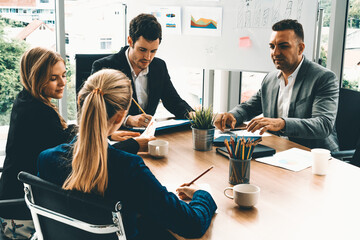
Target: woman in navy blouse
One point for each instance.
(90, 164)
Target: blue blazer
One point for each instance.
(313, 106)
(160, 86)
(131, 182)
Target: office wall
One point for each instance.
(245, 30)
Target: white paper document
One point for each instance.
(294, 159)
(240, 133)
(171, 122)
(150, 129)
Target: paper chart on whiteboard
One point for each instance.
(203, 21)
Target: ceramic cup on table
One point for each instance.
(244, 195)
(158, 148)
(320, 159)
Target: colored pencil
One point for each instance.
(202, 174)
(138, 106)
(228, 147)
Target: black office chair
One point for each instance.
(83, 65)
(347, 123)
(356, 158)
(60, 214)
(13, 209)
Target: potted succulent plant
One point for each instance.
(202, 125)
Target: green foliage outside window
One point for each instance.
(354, 85)
(10, 54)
(71, 95)
(353, 14)
(10, 86)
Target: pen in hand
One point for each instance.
(202, 174)
(187, 194)
(138, 106)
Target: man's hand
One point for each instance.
(123, 135)
(224, 119)
(265, 124)
(191, 114)
(141, 120)
(143, 143)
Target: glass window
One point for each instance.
(11, 50)
(351, 65)
(105, 43)
(326, 6)
(100, 21)
(250, 84)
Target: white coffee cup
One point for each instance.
(320, 159)
(244, 195)
(158, 148)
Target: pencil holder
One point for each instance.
(239, 171)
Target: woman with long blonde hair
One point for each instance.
(89, 164)
(36, 124)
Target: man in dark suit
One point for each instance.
(298, 101)
(150, 78)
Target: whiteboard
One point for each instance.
(243, 44)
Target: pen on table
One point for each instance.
(138, 106)
(188, 184)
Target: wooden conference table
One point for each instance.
(292, 205)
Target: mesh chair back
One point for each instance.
(87, 208)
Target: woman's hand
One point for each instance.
(123, 135)
(143, 143)
(185, 192)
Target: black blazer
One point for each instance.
(160, 86)
(34, 127)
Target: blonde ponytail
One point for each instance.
(103, 95)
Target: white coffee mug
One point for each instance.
(158, 148)
(244, 195)
(320, 159)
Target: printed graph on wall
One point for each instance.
(169, 18)
(204, 21)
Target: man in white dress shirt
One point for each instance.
(299, 100)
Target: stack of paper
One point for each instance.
(294, 159)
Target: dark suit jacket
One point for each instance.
(313, 106)
(160, 86)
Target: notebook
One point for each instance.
(259, 151)
(164, 125)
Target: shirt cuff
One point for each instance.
(124, 123)
(282, 131)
